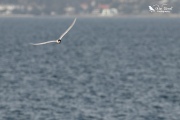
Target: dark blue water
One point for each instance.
(104, 69)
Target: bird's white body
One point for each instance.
(60, 38)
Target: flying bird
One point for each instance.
(151, 9)
(58, 41)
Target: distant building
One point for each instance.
(103, 6)
(96, 12)
(69, 10)
(8, 9)
(84, 6)
(109, 12)
(105, 10)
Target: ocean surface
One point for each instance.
(104, 69)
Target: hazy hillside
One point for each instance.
(58, 7)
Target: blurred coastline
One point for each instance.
(94, 16)
(90, 8)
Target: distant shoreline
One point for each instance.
(93, 16)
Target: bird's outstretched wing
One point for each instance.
(68, 29)
(43, 42)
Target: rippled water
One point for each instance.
(104, 69)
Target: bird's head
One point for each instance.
(58, 41)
